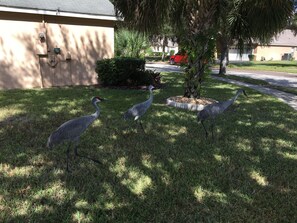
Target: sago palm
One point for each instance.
(130, 43)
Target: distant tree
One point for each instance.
(248, 21)
(293, 20)
(163, 36)
(293, 25)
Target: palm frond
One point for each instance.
(143, 15)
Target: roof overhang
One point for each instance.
(58, 13)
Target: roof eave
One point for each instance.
(58, 13)
(283, 45)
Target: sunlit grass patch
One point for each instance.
(132, 177)
(55, 191)
(288, 155)
(79, 216)
(23, 207)
(259, 178)
(281, 66)
(9, 171)
(137, 182)
(202, 194)
(221, 158)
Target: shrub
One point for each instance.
(124, 72)
(157, 54)
(154, 77)
(252, 57)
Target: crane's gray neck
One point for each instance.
(236, 96)
(151, 95)
(97, 109)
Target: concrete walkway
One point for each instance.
(287, 98)
(272, 77)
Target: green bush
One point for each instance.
(157, 54)
(123, 71)
(252, 57)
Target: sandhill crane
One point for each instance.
(72, 130)
(138, 110)
(212, 110)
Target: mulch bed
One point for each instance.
(198, 101)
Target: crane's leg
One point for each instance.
(67, 160)
(86, 157)
(212, 126)
(141, 126)
(206, 133)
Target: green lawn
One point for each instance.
(278, 66)
(171, 174)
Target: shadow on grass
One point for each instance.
(170, 174)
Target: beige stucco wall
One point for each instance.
(25, 59)
(273, 52)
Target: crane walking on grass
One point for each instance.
(72, 130)
(139, 110)
(213, 110)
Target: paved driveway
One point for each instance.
(163, 67)
(275, 78)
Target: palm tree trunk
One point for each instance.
(195, 73)
(223, 62)
(224, 58)
(193, 78)
(165, 43)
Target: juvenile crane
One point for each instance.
(72, 130)
(139, 110)
(213, 110)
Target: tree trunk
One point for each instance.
(165, 43)
(197, 64)
(224, 58)
(193, 78)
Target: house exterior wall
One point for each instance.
(167, 49)
(28, 61)
(234, 54)
(274, 52)
(169, 46)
